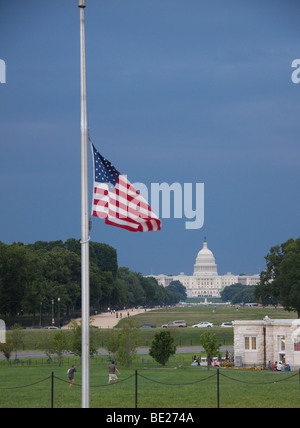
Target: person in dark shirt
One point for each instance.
(112, 373)
(71, 372)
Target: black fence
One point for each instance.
(218, 375)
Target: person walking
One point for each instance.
(112, 373)
(71, 372)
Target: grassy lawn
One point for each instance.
(179, 386)
(187, 336)
(195, 314)
(183, 336)
(28, 384)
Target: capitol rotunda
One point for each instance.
(205, 263)
(205, 282)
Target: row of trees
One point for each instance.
(37, 277)
(280, 282)
(62, 342)
(238, 293)
(121, 344)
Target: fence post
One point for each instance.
(136, 389)
(218, 387)
(52, 390)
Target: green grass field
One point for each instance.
(178, 386)
(28, 384)
(183, 336)
(195, 314)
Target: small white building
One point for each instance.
(258, 342)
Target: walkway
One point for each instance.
(110, 320)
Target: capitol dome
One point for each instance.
(205, 262)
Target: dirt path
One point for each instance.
(108, 320)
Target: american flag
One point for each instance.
(117, 201)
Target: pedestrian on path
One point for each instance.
(112, 373)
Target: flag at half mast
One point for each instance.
(117, 201)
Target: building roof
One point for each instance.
(267, 320)
(205, 262)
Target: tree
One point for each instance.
(127, 344)
(112, 342)
(280, 282)
(61, 273)
(179, 289)
(135, 291)
(105, 257)
(97, 284)
(46, 344)
(228, 293)
(238, 293)
(16, 270)
(122, 344)
(7, 348)
(245, 295)
(162, 347)
(209, 342)
(150, 286)
(17, 337)
(33, 276)
(75, 340)
(59, 345)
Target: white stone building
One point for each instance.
(205, 282)
(258, 342)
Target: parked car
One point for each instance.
(51, 328)
(147, 326)
(203, 324)
(227, 324)
(180, 323)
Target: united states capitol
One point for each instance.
(205, 282)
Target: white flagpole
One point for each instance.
(85, 287)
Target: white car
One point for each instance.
(227, 324)
(203, 324)
(52, 327)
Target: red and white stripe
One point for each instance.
(122, 206)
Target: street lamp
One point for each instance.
(58, 312)
(41, 304)
(52, 311)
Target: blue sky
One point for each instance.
(186, 91)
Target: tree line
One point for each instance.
(279, 282)
(238, 293)
(36, 279)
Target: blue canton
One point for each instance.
(105, 172)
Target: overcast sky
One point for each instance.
(185, 91)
